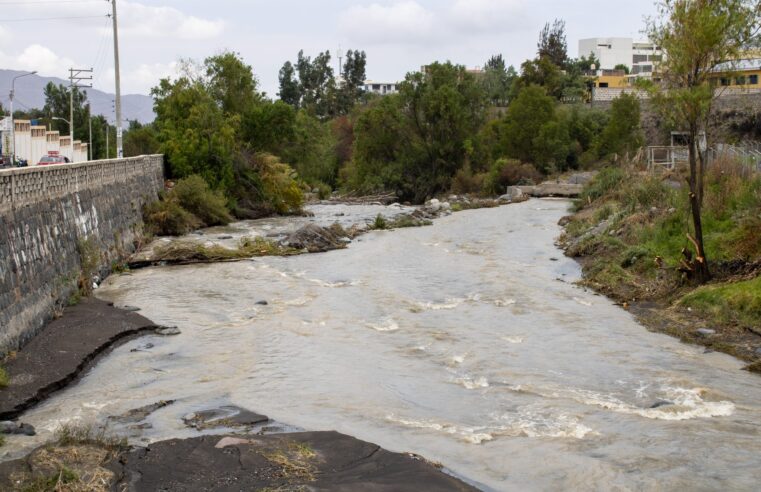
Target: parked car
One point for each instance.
(53, 159)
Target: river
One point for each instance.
(466, 342)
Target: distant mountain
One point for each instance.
(29, 94)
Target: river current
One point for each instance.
(466, 342)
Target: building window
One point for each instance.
(639, 58)
(376, 87)
(740, 80)
(603, 84)
(753, 80)
(725, 81)
(655, 58)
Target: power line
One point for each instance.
(46, 2)
(55, 18)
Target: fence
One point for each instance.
(24, 186)
(671, 157)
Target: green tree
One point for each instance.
(231, 83)
(140, 140)
(415, 142)
(696, 37)
(525, 117)
(290, 92)
(57, 103)
(552, 43)
(622, 134)
(354, 76)
(497, 80)
(194, 133)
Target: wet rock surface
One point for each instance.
(315, 239)
(226, 416)
(139, 414)
(62, 351)
(317, 461)
(9, 427)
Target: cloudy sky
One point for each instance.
(398, 35)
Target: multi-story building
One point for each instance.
(742, 74)
(639, 57)
(381, 88)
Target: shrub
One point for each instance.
(4, 379)
(465, 181)
(167, 218)
(380, 223)
(89, 261)
(194, 195)
(606, 181)
(265, 185)
(511, 172)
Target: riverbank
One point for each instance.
(64, 350)
(629, 234)
(320, 461)
(84, 459)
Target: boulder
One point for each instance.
(314, 239)
(705, 332)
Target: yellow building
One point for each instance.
(743, 74)
(609, 78)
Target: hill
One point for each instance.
(29, 94)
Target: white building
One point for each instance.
(639, 56)
(381, 88)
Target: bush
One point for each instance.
(606, 181)
(265, 186)
(4, 379)
(465, 181)
(509, 172)
(167, 218)
(194, 195)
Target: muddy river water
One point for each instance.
(466, 342)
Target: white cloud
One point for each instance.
(39, 58)
(139, 80)
(482, 16)
(401, 21)
(139, 20)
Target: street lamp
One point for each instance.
(58, 118)
(13, 125)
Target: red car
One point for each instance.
(53, 159)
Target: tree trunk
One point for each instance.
(700, 264)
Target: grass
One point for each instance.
(193, 252)
(59, 481)
(293, 460)
(89, 262)
(380, 223)
(4, 379)
(73, 435)
(738, 302)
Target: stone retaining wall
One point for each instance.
(47, 214)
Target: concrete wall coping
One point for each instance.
(24, 186)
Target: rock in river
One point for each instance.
(227, 416)
(314, 239)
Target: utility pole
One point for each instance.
(340, 63)
(119, 149)
(89, 124)
(13, 124)
(108, 149)
(75, 78)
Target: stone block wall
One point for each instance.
(46, 213)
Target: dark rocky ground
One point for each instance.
(60, 353)
(313, 461)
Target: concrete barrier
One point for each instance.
(45, 215)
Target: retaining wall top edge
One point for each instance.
(72, 165)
